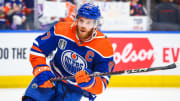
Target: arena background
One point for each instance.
(132, 35)
(152, 49)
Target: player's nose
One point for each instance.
(83, 25)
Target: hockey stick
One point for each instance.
(171, 66)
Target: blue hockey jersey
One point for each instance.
(72, 55)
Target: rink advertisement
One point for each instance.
(14, 53)
(145, 50)
(132, 50)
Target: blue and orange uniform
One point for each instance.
(71, 56)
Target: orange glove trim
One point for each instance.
(82, 77)
(98, 86)
(95, 88)
(90, 86)
(47, 84)
(39, 70)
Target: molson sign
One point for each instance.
(132, 53)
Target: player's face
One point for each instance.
(85, 28)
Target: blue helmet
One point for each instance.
(89, 11)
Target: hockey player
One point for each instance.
(80, 50)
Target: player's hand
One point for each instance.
(43, 76)
(84, 80)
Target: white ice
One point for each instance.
(112, 94)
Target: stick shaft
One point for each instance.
(171, 66)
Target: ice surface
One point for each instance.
(112, 94)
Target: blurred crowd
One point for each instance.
(16, 14)
(166, 16)
(20, 14)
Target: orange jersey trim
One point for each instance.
(47, 84)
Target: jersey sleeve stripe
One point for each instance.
(36, 43)
(35, 51)
(70, 82)
(105, 82)
(37, 54)
(36, 48)
(106, 77)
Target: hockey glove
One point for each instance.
(43, 75)
(84, 80)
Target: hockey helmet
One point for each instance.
(89, 11)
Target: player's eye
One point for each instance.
(80, 20)
(88, 22)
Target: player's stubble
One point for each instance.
(83, 33)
